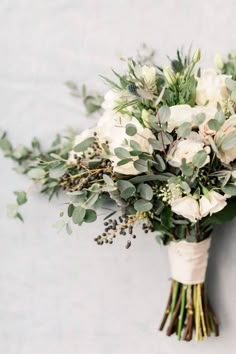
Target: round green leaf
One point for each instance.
(130, 129)
(70, 210)
(36, 173)
(145, 191)
(141, 165)
(90, 215)
(78, 215)
(122, 153)
(142, 205)
(84, 144)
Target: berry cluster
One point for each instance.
(124, 226)
(82, 176)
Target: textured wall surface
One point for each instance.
(63, 294)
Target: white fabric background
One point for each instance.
(63, 294)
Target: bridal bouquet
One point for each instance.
(161, 156)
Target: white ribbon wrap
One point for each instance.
(188, 261)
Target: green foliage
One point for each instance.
(145, 191)
(142, 205)
(92, 102)
(84, 144)
(21, 197)
(184, 130)
(126, 188)
(130, 129)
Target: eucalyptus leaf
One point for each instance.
(156, 144)
(84, 145)
(90, 216)
(141, 165)
(229, 142)
(130, 129)
(165, 137)
(21, 197)
(135, 145)
(36, 173)
(57, 172)
(184, 130)
(160, 162)
(70, 210)
(198, 119)
(164, 114)
(145, 191)
(122, 153)
(108, 180)
(126, 188)
(78, 215)
(124, 161)
(220, 117)
(90, 201)
(145, 178)
(186, 168)
(142, 205)
(199, 158)
(213, 124)
(230, 189)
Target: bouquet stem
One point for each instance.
(188, 309)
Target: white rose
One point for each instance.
(142, 139)
(211, 203)
(187, 207)
(111, 128)
(111, 100)
(187, 149)
(211, 89)
(180, 114)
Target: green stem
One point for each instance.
(182, 309)
(174, 299)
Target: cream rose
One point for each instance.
(228, 129)
(180, 114)
(187, 207)
(211, 89)
(187, 149)
(112, 99)
(211, 203)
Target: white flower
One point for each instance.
(184, 113)
(187, 149)
(111, 128)
(111, 100)
(211, 89)
(180, 114)
(187, 207)
(211, 203)
(227, 129)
